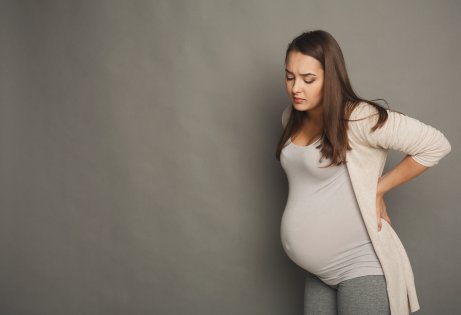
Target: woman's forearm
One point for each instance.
(407, 169)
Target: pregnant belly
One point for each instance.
(321, 238)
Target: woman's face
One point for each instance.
(304, 81)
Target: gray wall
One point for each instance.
(137, 148)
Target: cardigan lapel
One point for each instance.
(365, 165)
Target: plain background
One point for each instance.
(137, 144)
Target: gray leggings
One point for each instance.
(356, 296)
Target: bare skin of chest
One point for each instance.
(306, 136)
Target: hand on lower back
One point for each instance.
(381, 212)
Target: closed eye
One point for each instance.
(308, 82)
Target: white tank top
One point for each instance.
(322, 229)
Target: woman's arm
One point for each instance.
(425, 144)
(407, 169)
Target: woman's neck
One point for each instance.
(315, 118)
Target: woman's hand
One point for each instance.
(407, 169)
(381, 212)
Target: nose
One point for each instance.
(296, 87)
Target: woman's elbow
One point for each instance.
(446, 146)
(443, 149)
(432, 156)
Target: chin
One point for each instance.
(300, 107)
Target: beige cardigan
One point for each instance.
(365, 164)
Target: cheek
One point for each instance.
(319, 91)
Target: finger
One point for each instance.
(387, 219)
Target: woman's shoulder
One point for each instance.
(363, 110)
(362, 119)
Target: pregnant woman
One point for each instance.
(333, 150)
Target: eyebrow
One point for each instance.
(302, 74)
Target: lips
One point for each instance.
(298, 100)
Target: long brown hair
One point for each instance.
(339, 99)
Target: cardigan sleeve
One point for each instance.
(424, 143)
